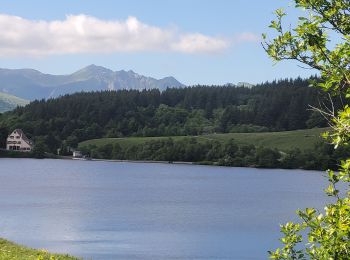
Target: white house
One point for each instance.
(17, 141)
(77, 154)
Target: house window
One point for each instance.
(19, 142)
(11, 136)
(17, 137)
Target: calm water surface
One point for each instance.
(105, 210)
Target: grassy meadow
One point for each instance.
(302, 139)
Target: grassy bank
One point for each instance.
(302, 139)
(10, 250)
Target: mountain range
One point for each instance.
(31, 84)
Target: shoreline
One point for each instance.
(188, 163)
(139, 161)
(57, 157)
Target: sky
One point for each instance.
(197, 41)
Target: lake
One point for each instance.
(109, 210)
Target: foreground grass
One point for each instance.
(302, 139)
(10, 250)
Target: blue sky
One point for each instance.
(196, 41)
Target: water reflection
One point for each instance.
(105, 210)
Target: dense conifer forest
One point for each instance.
(65, 121)
(271, 106)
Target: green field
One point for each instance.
(282, 141)
(10, 250)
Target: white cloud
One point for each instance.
(199, 43)
(87, 34)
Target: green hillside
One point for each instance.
(9, 102)
(283, 141)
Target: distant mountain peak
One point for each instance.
(92, 66)
(170, 77)
(93, 69)
(32, 84)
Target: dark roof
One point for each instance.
(24, 137)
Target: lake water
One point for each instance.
(107, 210)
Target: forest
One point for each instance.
(281, 105)
(271, 106)
(62, 123)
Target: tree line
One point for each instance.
(270, 106)
(188, 149)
